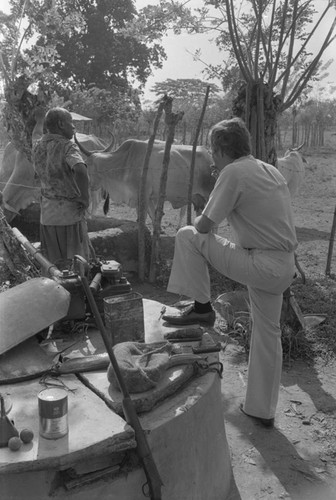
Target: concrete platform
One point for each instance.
(186, 435)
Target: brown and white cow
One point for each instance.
(18, 184)
(119, 173)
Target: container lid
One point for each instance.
(123, 297)
(52, 394)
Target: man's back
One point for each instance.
(254, 197)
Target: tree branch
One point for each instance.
(267, 44)
(268, 50)
(4, 70)
(300, 85)
(305, 42)
(258, 14)
(235, 41)
(16, 50)
(290, 52)
(278, 52)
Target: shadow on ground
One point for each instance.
(310, 234)
(295, 459)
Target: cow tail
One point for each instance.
(106, 206)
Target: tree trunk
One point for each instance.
(259, 107)
(142, 198)
(19, 114)
(171, 120)
(15, 265)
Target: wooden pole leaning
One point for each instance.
(193, 156)
(152, 474)
(331, 244)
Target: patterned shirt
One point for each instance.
(54, 158)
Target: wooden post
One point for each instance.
(193, 156)
(331, 244)
(171, 120)
(253, 129)
(261, 149)
(248, 104)
(142, 198)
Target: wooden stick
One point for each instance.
(142, 197)
(143, 450)
(331, 244)
(171, 120)
(193, 156)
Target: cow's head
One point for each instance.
(291, 150)
(88, 153)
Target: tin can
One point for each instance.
(124, 318)
(53, 413)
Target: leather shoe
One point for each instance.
(190, 317)
(265, 422)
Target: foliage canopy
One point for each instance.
(80, 42)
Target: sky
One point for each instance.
(180, 63)
(179, 49)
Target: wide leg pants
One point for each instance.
(62, 243)
(267, 274)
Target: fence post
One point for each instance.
(142, 198)
(331, 244)
(171, 120)
(193, 156)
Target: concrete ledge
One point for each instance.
(121, 244)
(111, 238)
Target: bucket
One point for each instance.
(124, 318)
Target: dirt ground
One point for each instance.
(297, 459)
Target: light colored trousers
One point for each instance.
(267, 274)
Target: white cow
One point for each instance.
(292, 167)
(119, 173)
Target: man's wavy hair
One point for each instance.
(231, 137)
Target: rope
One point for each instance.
(52, 380)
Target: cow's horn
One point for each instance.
(110, 146)
(82, 148)
(298, 148)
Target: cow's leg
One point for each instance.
(151, 210)
(183, 211)
(95, 199)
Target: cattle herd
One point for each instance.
(118, 173)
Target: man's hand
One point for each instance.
(203, 224)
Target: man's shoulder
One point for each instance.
(73, 154)
(71, 146)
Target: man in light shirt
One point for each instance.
(253, 196)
